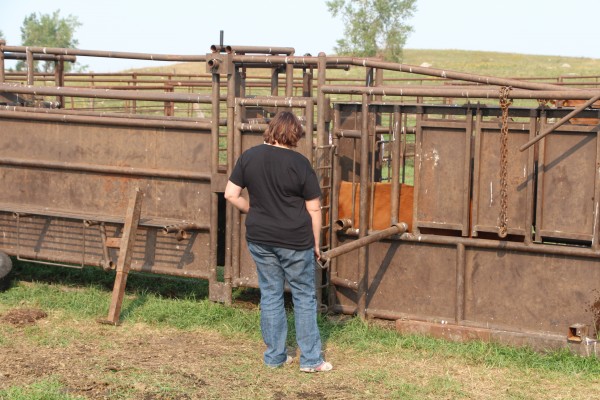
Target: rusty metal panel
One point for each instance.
(68, 241)
(521, 291)
(486, 179)
(442, 175)
(497, 289)
(408, 278)
(64, 173)
(128, 147)
(567, 207)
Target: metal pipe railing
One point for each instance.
(361, 242)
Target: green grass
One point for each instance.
(150, 300)
(382, 362)
(42, 390)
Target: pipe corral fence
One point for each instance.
(458, 205)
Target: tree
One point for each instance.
(373, 28)
(50, 31)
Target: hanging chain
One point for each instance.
(505, 102)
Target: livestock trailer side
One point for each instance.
(491, 190)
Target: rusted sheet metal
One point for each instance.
(60, 174)
(503, 289)
(567, 205)
(442, 175)
(486, 188)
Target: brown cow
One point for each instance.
(581, 121)
(382, 216)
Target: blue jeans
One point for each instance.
(275, 266)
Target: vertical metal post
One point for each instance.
(335, 194)
(30, 71)
(322, 139)
(321, 101)
(289, 79)
(235, 219)
(214, 198)
(476, 168)
(395, 174)
(540, 180)
(533, 123)
(307, 81)
(2, 44)
(460, 283)
(234, 145)
(595, 244)
(363, 207)
(59, 78)
(275, 81)
(467, 167)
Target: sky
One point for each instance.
(185, 27)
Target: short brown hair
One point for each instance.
(285, 129)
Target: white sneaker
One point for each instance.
(323, 367)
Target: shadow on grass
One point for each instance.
(137, 283)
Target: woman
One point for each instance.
(282, 231)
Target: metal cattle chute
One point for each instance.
(457, 205)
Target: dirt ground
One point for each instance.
(98, 361)
(89, 360)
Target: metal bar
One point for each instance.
(396, 142)
(447, 74)
(236, 216)
(252, 49)
(69, 117)
(460, 283)
(156, 119)
(214, 196)
(335, 195)
(363, 206)
(105, 169)
(564, 94)
(467, 178)
(535, 248)
(2, 57)
(273, 101)
(39, 57)
(541, 151)
(596, 224)
(132, 218)
(560, 122)
(533, 123)
(477, 159)
(347, 283)
(105, 54)
(103, 94)
(363, 241)
(30, 67)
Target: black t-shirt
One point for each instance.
(279, 182)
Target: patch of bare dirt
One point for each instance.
(23, 316)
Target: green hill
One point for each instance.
(477, 62)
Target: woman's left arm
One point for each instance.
(314, 209)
